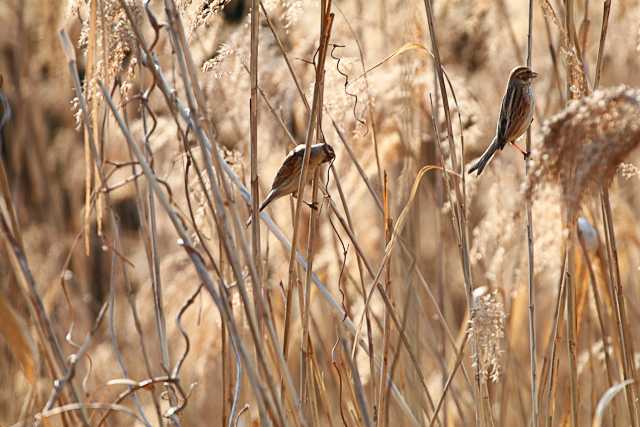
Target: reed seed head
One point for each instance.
(487, 326)
(583, 145)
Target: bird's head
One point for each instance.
(328, 152)
(523, 74)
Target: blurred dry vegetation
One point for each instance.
(134, 296)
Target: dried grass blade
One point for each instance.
(606, 399)
(16, 334)
(402, 219)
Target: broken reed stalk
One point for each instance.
(408, 251)
(403, 245)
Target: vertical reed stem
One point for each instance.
(531, 283)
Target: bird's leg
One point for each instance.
(312, 205)
(517, 147)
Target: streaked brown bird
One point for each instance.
(516, 114)
(288, 176)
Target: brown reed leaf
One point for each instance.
(14, 331)
(582, 146)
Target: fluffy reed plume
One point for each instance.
(577, 80)
(582, 146)
(487, 325)
(114, 31)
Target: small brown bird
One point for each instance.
(516, 114)
(288, 176)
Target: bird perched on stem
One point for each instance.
(288, 176)
(516, 114)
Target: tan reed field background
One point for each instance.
(134, 133)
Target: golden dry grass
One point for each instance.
(110, 271)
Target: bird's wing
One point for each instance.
(290, 167)
(512, 119)
(505, 120)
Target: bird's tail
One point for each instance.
(270, 197)
(486, 157)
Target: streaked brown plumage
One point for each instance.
(288, 176)
(516, 114)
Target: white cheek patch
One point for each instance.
(296, 150)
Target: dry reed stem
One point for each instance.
(327, 22)
(306, 355)
(161, 81)
(253, 119)
(458, 212)
(570, 325)
(306, 352)
(603, 35)
(388, 226)
(530, 254)
(188, 72)
(403, 245)
(348, 227)
(624, 338)
(604, 334)
(194, 256)
(547, 382)
(450, 377)
(389, 246)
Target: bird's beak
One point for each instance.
(533, 74)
